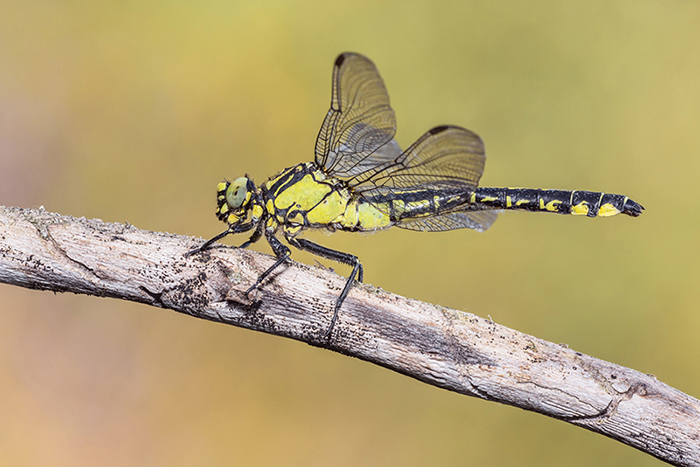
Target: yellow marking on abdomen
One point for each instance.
(608, 210)
(399, 206)
(580, 209)
(419, 205)
(552, 205)
(350, 218)
(371, 218)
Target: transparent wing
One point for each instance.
(477, 220)
(445, 161)
(359, 122)
(445, 158)
(380, 158)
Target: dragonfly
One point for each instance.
(361, 181)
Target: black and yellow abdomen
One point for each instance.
(577, 203)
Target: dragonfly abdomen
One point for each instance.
(417, 203)
(578, 203)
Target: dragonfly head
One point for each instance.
(233, 200)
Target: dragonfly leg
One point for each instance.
(281, 252)
(255, 237)
(238, 229)
(345, 258)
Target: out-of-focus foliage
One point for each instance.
(133, 111)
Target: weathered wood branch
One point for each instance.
(450, 349)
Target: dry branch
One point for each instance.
(443, 347)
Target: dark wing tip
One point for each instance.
(438, 129)
(632, 208)
(341, 58)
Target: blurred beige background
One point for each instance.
(134, 111)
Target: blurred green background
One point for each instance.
(133, 112)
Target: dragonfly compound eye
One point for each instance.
(236, 193)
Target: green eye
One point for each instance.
(236, 192)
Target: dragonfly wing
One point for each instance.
(360, 120)
(445, 158)
(477, 220)
(382, 157)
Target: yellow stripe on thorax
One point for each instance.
(305, 194)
